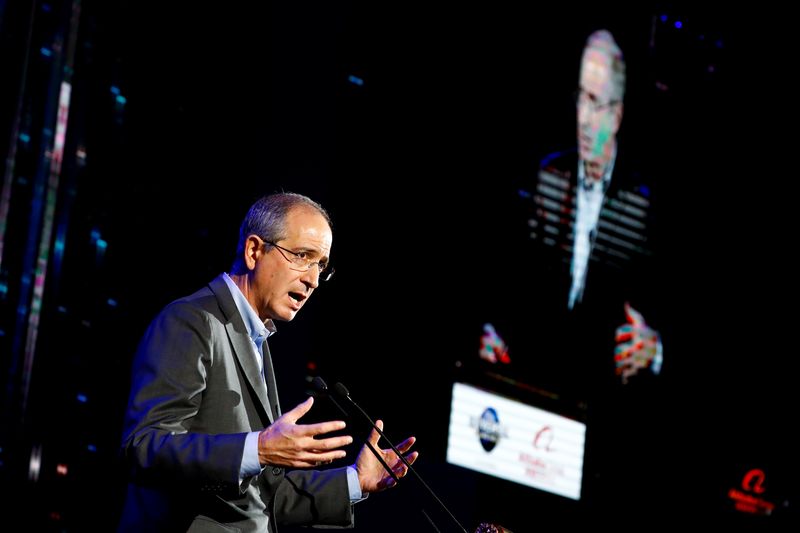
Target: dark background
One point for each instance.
(419, 167)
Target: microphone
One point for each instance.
(342, 391)
(322, 387)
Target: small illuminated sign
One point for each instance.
(748, 500)
(515, 441)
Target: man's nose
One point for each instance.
(311, 276)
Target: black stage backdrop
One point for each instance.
(416, 125)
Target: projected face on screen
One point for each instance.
(599, 103)
(593, 212)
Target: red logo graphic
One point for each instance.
(752, 482)
(543, 439)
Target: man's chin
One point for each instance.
(287, 315)
(593, 166)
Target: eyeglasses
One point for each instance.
(303, 263)
(590, 101)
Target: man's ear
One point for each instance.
(253, 250)
(618, 112)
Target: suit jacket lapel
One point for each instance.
(272, 387)
(242, 347)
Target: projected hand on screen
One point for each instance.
(638, 346)
(493, 347)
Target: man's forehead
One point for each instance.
(596, 73)
(596, 63)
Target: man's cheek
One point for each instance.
(603, 134)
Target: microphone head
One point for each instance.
(341, 390)
(320, 385)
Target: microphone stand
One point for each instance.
(342, 391)
(322, 387)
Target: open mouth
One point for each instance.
(297, 297)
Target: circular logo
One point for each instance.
(489, 429)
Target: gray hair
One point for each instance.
(267, 219)
(603, 41)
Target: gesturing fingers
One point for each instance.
(287, 443)
(328, 443)
(299, 410)
(624, 333)
(406, 444)
(374, 435)
(400, 469)
(633, 316)
(320, 428)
